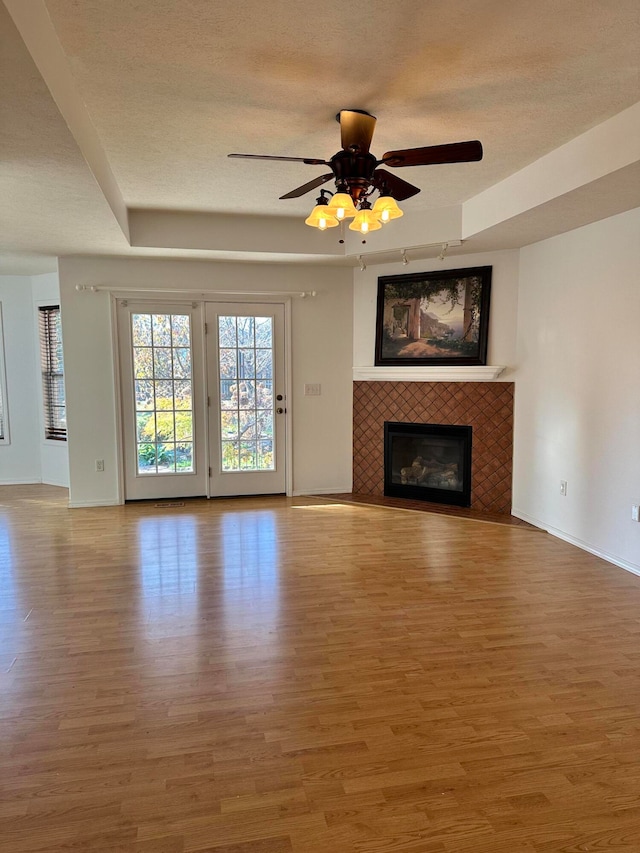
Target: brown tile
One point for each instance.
(486, 406)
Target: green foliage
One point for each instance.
(445, 290)
(164, 423)
(458, 346)
(147, 454)
(426, 290)
(247, 455)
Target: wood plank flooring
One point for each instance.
(278, 675)
(426, 506)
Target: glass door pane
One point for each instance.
(162, 373)
(246, 386)
(163, 393)
(245, 373)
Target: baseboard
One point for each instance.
(528, 518)
(4, 482)
(84, 504)
(634, 568)
(307, 493)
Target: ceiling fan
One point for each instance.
(355, 170)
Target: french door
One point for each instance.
(202, 416)
(246, 382)
(163, 411)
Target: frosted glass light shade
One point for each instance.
(342, 206)
(321, 217)
(387, 209)
(365, 220)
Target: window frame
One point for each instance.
(5, 436)
(51, 432)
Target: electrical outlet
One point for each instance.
(312, 389)
(563, 488)
(100, 465)
(635, 513)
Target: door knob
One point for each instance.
(280, 410)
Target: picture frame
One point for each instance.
(433, 318)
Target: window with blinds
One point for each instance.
(55, 411)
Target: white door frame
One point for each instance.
(173, 296)
(163, 482)
(255, 481)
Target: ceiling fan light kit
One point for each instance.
(321, 216)
(357, 176)
(342, 206)
(366, 219)
(387, 208)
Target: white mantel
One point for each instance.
(444, 373)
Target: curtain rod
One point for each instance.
(94, 288)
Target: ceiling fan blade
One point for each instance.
(396, 187)
(454, 152)
(311, 185)
(356, 129)
(309, 160)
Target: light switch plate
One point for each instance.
(312, 389)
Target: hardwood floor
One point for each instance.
(425, 506)
(278, 675)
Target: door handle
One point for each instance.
(280, 411)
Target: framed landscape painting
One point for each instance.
(433, 318)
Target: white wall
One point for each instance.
(29, 457)
(20, 459)
(321, 353)
(577, 387)
(504, 299)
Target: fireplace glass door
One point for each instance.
(430, 462)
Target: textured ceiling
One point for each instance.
(172, 87)
(49, 202)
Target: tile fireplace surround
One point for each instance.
(486, 406)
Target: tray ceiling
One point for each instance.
(171, 88)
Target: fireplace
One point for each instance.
(485, 406)
(429, 462)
